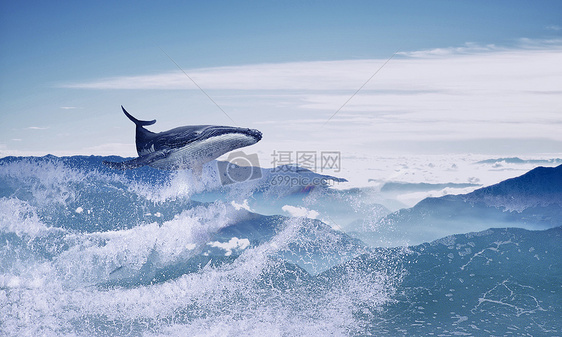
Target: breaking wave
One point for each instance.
(87, 251)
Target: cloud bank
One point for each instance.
(471, 84)
(431, 69)
(462, 97)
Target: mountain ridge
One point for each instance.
(531, 201)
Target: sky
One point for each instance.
(436, 77)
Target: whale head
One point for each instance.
(239, 137)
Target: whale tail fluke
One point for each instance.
(136, 121)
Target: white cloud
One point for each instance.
(468, 48)
(345, 75)
(473, 94)
(37, 128)
(300, 212)
(285, 76)
(125, 150)
(108, 149)
(5, 152)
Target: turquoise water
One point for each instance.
(88, 251)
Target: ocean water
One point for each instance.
(87, 251)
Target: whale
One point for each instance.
(185, 147)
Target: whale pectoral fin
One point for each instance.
(138, 162)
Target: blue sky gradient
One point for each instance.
(54, 55)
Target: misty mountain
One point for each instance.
(531, 201)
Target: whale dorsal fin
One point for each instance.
(136, 121)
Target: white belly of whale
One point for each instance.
(197, 153)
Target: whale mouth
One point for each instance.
(218, 131)
(256, 134)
